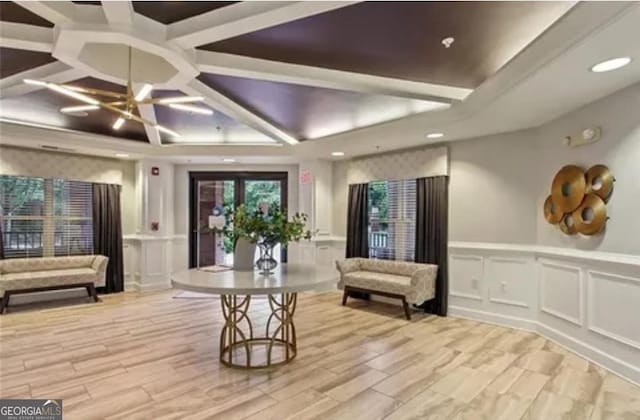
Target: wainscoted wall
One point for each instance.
(150, 260)
(585, 300)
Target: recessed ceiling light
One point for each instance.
(229, 160)
(122, 155)
(337, 153)
(435, 135)
(612, 64)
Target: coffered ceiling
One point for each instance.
(273, 72)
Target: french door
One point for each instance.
(211, 194)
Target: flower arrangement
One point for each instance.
(269, 228)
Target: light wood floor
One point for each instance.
(153, 356)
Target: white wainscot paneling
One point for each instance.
(561, 291)
(465, 276)
(155, 258)
(613, 307)
(510, 281)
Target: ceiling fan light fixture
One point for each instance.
(194, 109)
(166, 130)
(118, 123)
(79, 108)
(143, 92)
(180, 99)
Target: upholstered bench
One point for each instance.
(410, 282)
(26, 275)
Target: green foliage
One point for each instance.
(378, 198)
(271, 228)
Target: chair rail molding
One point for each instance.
(586, 301)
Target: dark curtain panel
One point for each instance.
(432, 221)
(1, 242)
(107, 233)
(358, 221)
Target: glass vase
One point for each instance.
(266, 263)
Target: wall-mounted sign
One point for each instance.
(306, 177)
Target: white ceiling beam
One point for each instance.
(254, 68)
(56, 12)
(118, 12)
(26, 37)
(53, 72)
(220, 102)
(244, 17)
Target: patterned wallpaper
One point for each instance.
(409, 164)
(27, 162)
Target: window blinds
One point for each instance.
(45, 217)
(392, 219)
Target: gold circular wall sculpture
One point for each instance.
(599, 181)
(551, 212)
(591, 216)
(568, 187)
(567, 224)
(577, 203)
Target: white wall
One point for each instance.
(619, 149)
(499, 183)
(490, 189)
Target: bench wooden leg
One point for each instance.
(5, 302)
(407, 311)
(345, 295)
(91, 289)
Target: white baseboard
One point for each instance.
(493, 318)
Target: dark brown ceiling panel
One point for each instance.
(200, 128)
(173, 11)
(404, 39)
(309, 112)
(43, 107)
(14, 61)
(12, 12)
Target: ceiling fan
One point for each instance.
(122, 104)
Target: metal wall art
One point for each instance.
(577, 203)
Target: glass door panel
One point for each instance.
(214, 192)
(263, 194)
(214, 197)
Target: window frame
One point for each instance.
(403, 248)
(48, 233)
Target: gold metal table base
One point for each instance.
(280, 332)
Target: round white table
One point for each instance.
(236, 288)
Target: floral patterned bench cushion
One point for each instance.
(416, 282)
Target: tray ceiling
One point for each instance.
(272, 71)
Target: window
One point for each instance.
(45, 217)
(392, 219)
